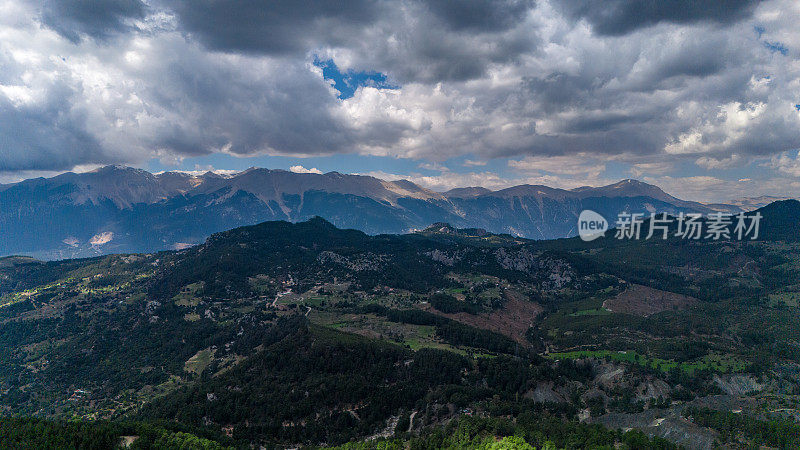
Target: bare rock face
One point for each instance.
(594, 393)
(557, 272)
(519, 260)
(544, 393)
(447, 258)
(609, 375)
(652, 390)
(360, 263)
(665, 423)
(123, 186)
(738, 384)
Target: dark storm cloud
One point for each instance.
(559, 90)
(210, 104)
(619, 17)
(480, 15)
(412, 40)
(599, 122)
(272, 27)
(99, 19)
(615, 136)
(47, 136)
(643, 97)
(439, 41)
(431, 54)
(284, 26)
(678, 62)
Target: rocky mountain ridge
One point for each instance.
(122, 209)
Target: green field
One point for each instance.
(188, 296)
(591, 312)
(711, 362)
(198, 363)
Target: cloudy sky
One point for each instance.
(699, 98)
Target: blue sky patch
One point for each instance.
(347, 82)
(776, 47)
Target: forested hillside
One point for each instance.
(285, 334)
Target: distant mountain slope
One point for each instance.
(120, 209)
(752, 203)
(781, 221)
(467, 192)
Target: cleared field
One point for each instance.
(198, 363)
(591, 312)
(711, 362)
(645, 301)
(188, 296)
(512, 320)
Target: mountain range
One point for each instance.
(121, 209)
